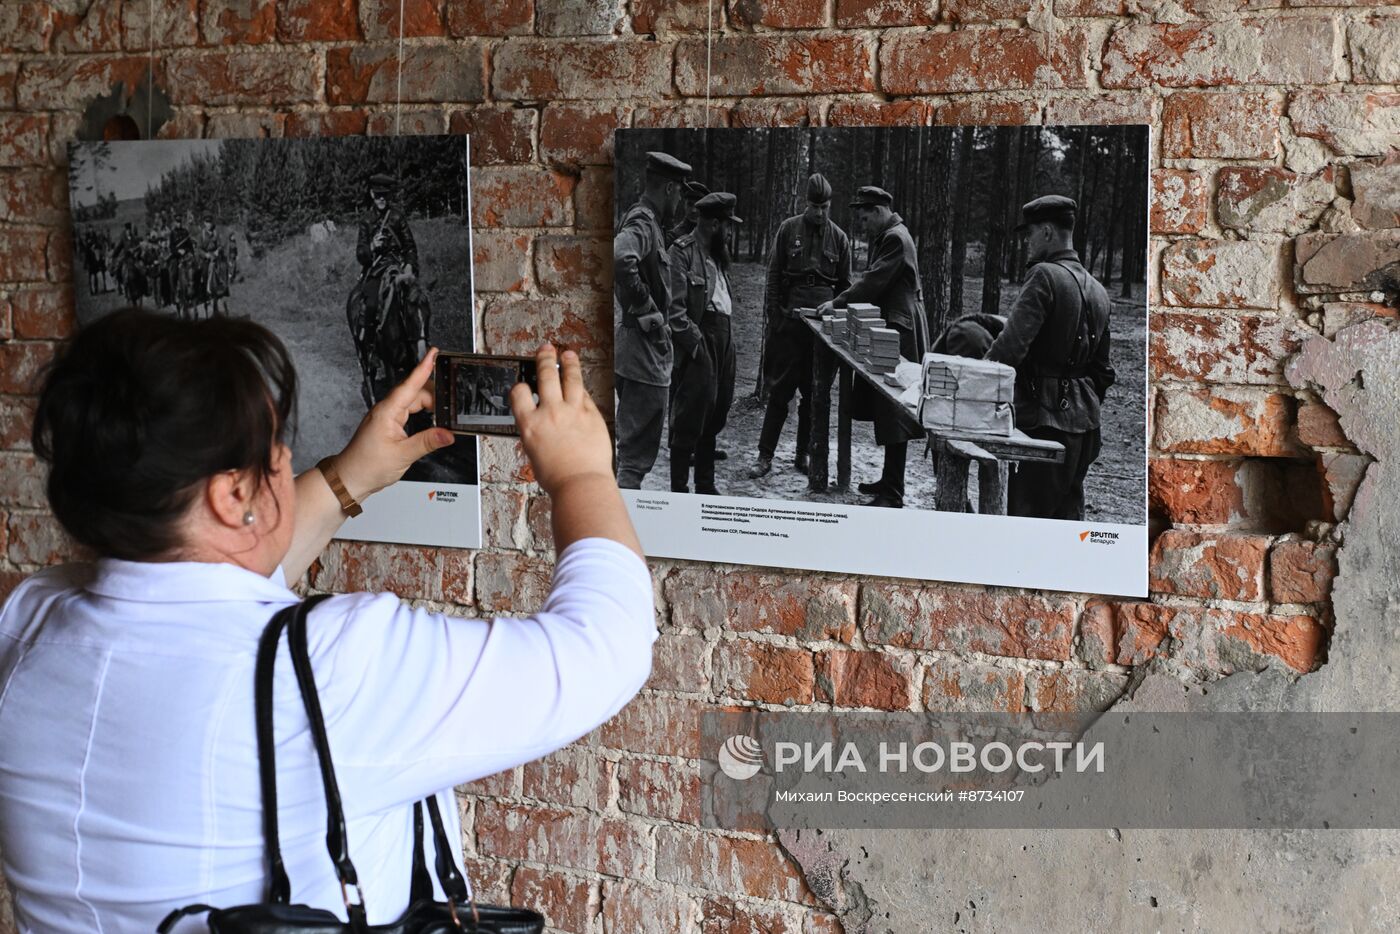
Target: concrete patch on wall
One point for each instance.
(901, 881)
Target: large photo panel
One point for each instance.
(913, 351)
(355, 251)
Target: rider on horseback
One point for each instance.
(385, 245)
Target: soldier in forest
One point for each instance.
(809, 265)
(641, 298)
(1057, 338)
(385, 244)
(701, 309)
(692, 193)
(890, 281)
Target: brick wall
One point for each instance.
(1276, 187)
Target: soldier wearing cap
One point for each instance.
(384, 241)
(692, 193)
(809, 265)
(890, 281)
(700, 312)
(641, 299)
(1057, 338)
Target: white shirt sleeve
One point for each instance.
(417, 701)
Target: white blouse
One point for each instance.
(128, 761)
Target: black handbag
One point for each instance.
(276, 915)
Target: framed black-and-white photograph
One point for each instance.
(355, 251)
(910, 351)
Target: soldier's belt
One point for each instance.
(809, 279)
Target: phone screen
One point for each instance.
(472, 392)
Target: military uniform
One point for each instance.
(890, 281)
(642, 354)
(1057, 338)
(810, 265)
(396, 247)
(700, 312)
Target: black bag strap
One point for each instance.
(421, 884)
(279, 889)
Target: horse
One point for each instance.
(133, 277)
(188, 287)
(389, 348)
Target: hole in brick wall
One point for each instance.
(121, 127)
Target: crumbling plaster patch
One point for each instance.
(1186, 880)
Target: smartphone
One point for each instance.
(471, 392)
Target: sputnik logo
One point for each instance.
(433, 493)
(1082, 535)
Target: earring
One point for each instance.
(248, 517)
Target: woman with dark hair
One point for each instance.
(129, 781)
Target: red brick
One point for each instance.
(1261, 494)
(672, 16)
(561, 837)
(769, 112)
(1194, 564)
(1180, 201)
(1064, 8)
(33, 197)
(985, 11)
(9, 580)
(593, 200)
(244, 125)
(21, 480)
(9, 74)
(41, 314)
(760, 671)
(1371, 43)
(395, 121)
(317, 20)
(234, 22)
(16, 419)
(679, 114)
(22, 140)
(569, 263)
(1223, 348)
(431, 74)
(728, 864)
(508, 196)
(573, 775)
(1115, 108)
(771, 65)
(1072, 691)
(37, 538)
(634, 906)
(580, 69)
(1220, 125)
(944, 619)
(1359, 261)
(565, 901)
(1216, 641)
(347, 567)
(379, 19)
(780, 14)
(982, 112)
(598, 18)
(500, 785)
(1226, 420)
(819, 922)
(982, 60)
(518, 325)
(58, 256)
(878, 113)
(500, 135)
(1222, 274)
(658, 725)
(864, 678)
(27, 25)
(724, 915)
(579, 134)
(71, 83)
(91, 27)
(21, 364)
(1356, 124)
(955, 685)
(1272, 199)
(809, 608)
(863, 13)
(471, 18)
(501, 261)
(490, 878)
(264, 78)
(326, 123)
(508, 582)
(664, 790)
(1319, 427)
(1302, 572)
(1272, 50)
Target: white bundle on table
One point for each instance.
(963, 394)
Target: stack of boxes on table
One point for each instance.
(959, 393)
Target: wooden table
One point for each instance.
(954, 452)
